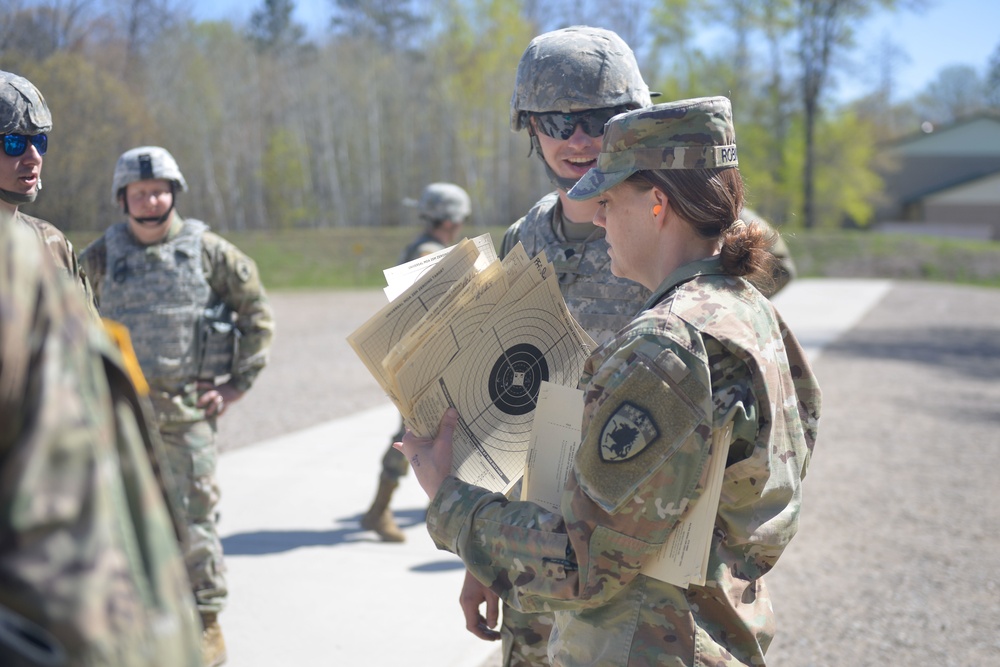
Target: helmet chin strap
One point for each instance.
(560, 182)
(155, 221)
(17, 198)
(151, 221)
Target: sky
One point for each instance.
(947, 32)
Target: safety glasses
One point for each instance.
(15, 144)
(562, 125)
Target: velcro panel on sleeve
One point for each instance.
(635, 431)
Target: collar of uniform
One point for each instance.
(176, 225)
(702, 267)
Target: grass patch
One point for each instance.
(859, 254)
(354, 257)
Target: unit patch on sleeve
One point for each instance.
(626, 433)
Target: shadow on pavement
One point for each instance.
(262, 542)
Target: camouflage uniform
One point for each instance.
(188, 434)
(601, 302)
(709, 349)
(90, 571)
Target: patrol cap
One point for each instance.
(689, 134)
(22, 108)
(444, 201)
(143, 163)
(576, 69)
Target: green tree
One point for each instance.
(956, 92)
(390, 23)
(283, 173)
(992, 83)
(272, 28)
(826, 29)
(95, 117)
(475, 88)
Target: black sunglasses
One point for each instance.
(15, 144)
(562, 125)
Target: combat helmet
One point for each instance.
(576, 69)
(143, 163)
(22, 111)
(444, 201)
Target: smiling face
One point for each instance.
(21, 174)
(626, 213)
(570, 158)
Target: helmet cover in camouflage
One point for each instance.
(689, 134)
(143, 163)
(444, 201)
(22, 108)
(576, 69)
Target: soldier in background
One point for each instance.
(25, 121)
(443, 207)
(201, 326)
(90, 571)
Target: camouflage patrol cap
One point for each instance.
(689, 134)
(22, 108)
(444, 201)
(576, 69)
(143, 163)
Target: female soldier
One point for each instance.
(707, 351)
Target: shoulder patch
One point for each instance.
(243, 271)
(637, 430)
(626, 433)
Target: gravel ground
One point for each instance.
(898, 551)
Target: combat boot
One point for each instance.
(213, 646)
(379, 516)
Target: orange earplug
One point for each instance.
(657, 209)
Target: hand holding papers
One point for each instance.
(481, 336)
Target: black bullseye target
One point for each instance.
(516, 379)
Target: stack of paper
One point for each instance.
(480, 335)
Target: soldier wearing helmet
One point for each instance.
(569, 83)
(443, 207)
(201, 327)
(25, 121)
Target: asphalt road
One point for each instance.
(898, 550)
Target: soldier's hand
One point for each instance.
(215, 399)
(473, 595)
(431, 459)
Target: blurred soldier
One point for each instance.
(201, 326)
(444, 208)
(569, 83)
(25, 121)
(90, 571)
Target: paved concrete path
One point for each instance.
(308, 587)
